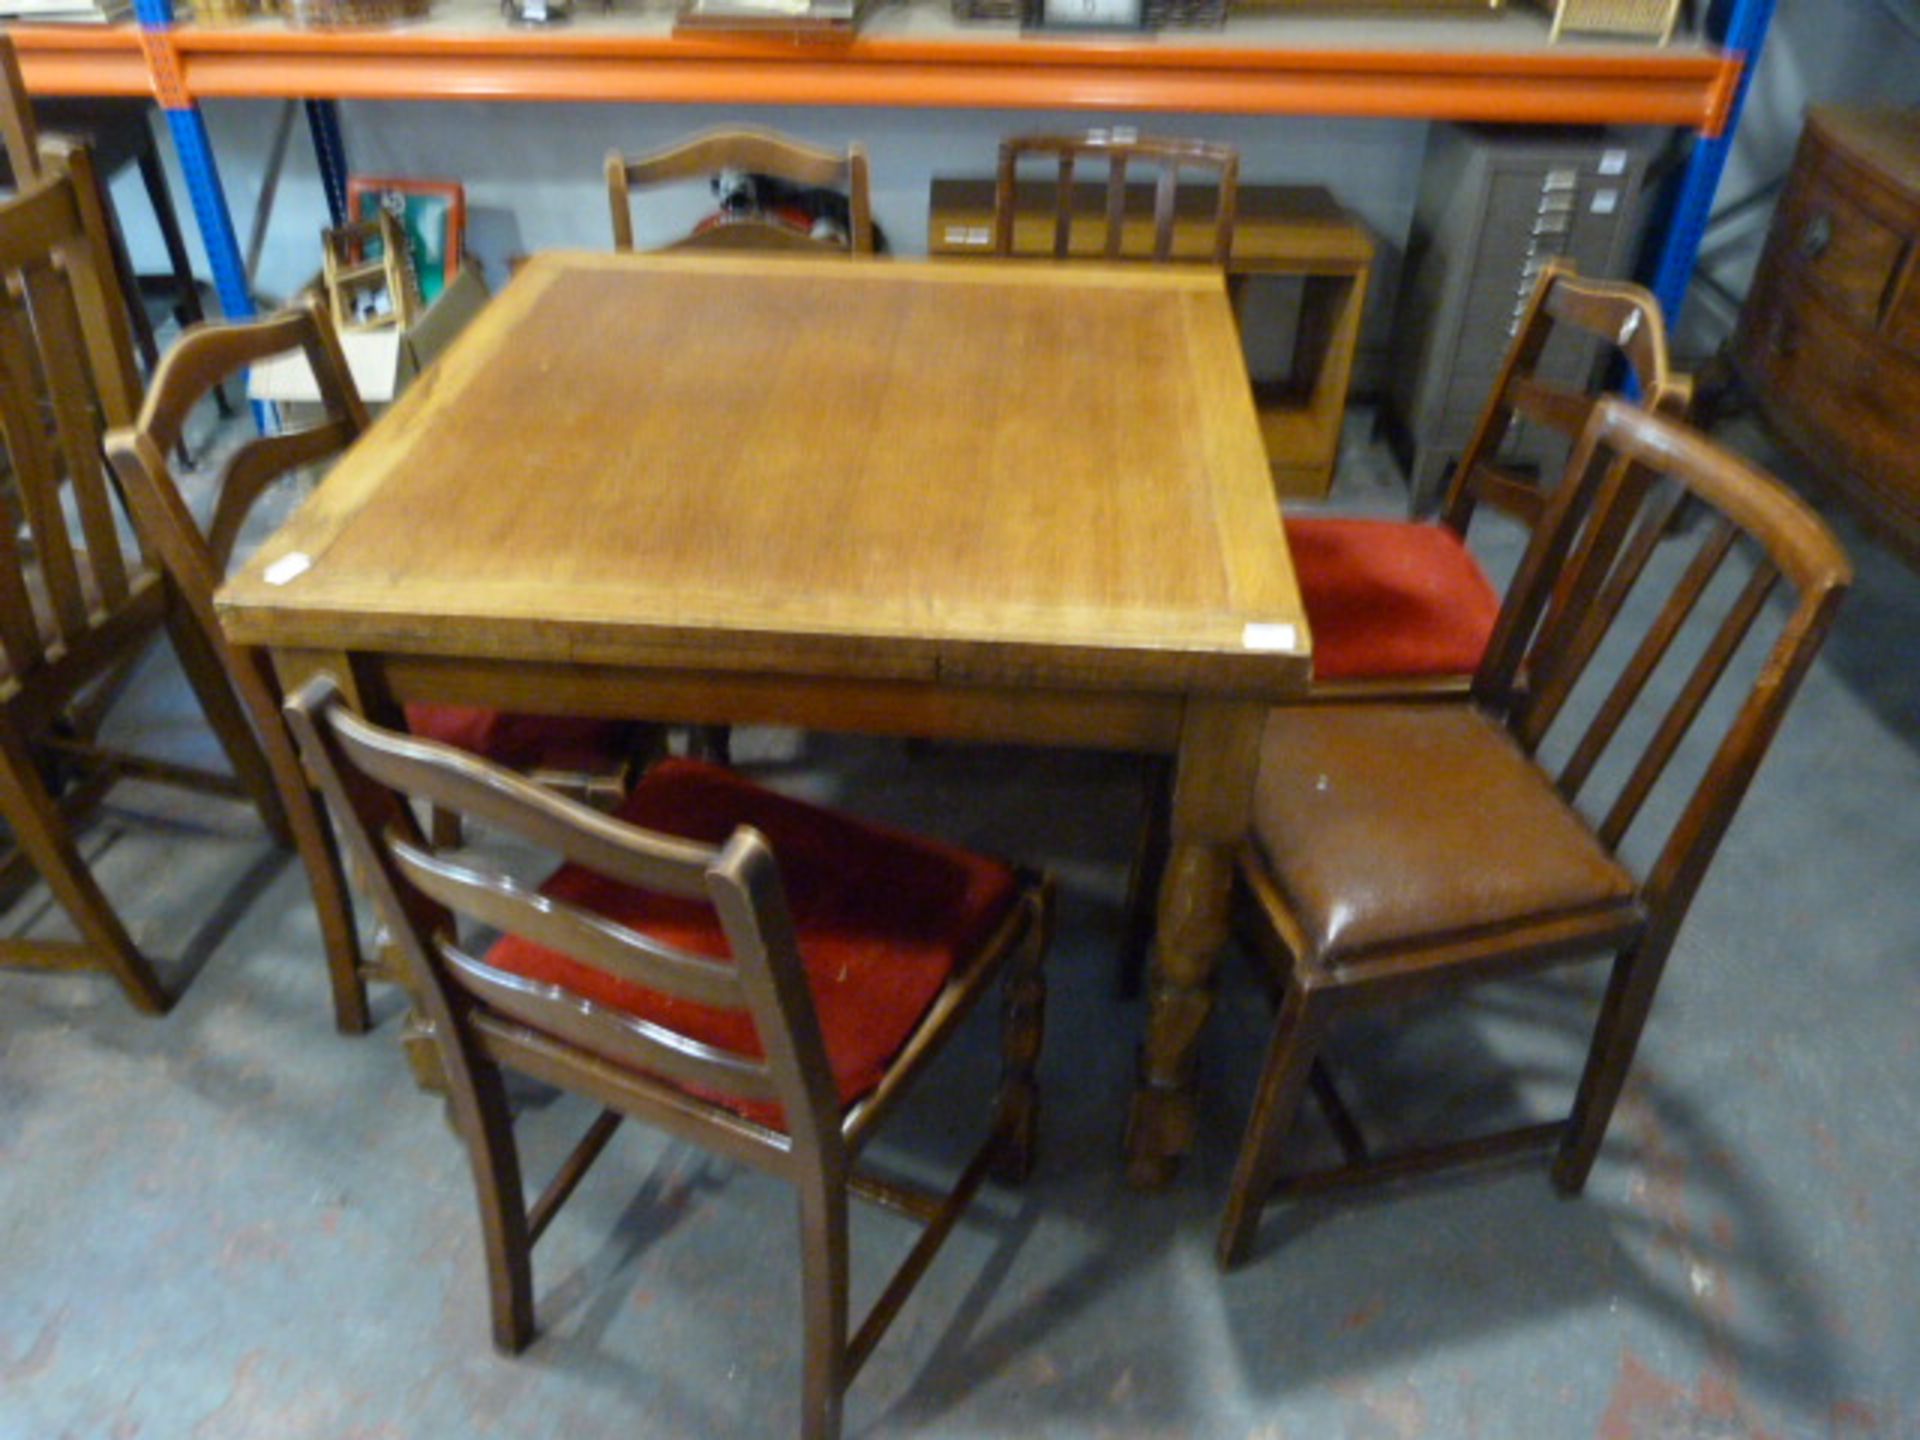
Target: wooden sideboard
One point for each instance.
(1829, 339)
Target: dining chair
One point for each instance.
(751, 152)
(117, 133)
(77, 604)
(744, 971)
(1402, 609)
(590, 757)
(1398, 850)
(1121, 155)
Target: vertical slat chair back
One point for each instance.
(759, 152)
(1165, 159)
(369, 773)
(19, 131)
(1621, 318)
(1636, 646)
(66, 370)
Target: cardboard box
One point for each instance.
(383, 362)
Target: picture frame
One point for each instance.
(431, 212)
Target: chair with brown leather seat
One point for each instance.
(76, 608)
(1122, 156)
(1404, 849)
(586, 756)
(751, 152)
(743, 970)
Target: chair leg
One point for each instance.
(1623, 1016)
(1295, 1042)
(713, 743)
(444, 830)
(823, 1280)
(1023, 1018)
(1143, 880)
(313, 839)
(207, 673)
(480, 1110)
(187, 308)
(42, 834)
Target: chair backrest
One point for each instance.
(758, 152)
(1610, 607)
(66, 368)
(369, 773)
(19, 132)
(200, 360)
(1567, 318)
(1164, 159)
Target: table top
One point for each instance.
(976, 471)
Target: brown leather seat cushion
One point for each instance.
(1389, 823)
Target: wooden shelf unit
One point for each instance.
(1495, 68)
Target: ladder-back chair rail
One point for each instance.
(782, 1109)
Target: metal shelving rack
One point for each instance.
(1499, 70)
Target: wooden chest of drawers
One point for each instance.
(1829, 339)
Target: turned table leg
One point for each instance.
(1213, 790)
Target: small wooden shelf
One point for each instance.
(1493, 68)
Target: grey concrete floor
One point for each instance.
(234, 1223)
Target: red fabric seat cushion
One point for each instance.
(522, 742)
(883, 919)
(1391, 598)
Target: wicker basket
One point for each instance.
(1649, 19)
(326, 14)
(221, 12)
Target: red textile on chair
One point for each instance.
(1391, 598)
(883, 918)
(521, 742)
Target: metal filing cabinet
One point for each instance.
(1495, 205)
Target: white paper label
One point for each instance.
(288, 567)
(1267, 637)
(1605, 202)
(1613, 162)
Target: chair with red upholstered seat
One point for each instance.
(590, 756)
(752, 152)
(746, 971)
(1400, 850)
(1402, 606)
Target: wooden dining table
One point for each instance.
(1019, 502)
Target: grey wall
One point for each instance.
(532, 170)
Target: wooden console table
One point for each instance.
(1279, 230)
